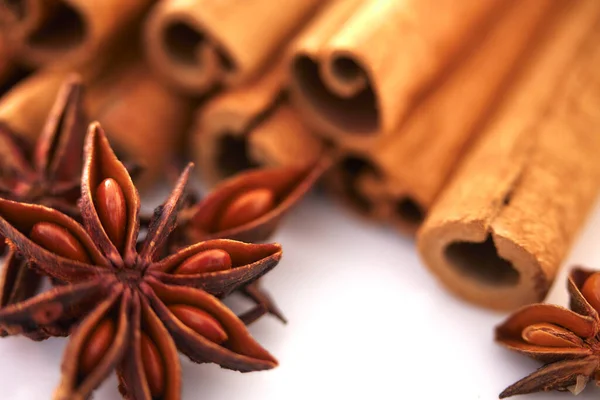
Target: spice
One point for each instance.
(200, 44)
(49, 174)
(250, 205)
(498, 233)
(131, 308)
(565, 340)
(349, 85)
(70, 32)
(252, 125)
(402, 174)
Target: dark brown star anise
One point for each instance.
(48, 174)
(132, 308)
(566, 341)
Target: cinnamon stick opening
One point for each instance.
(409, 212)
(469, 257)
(232, 154)
(346, 99)
(350, 170)
(182, 43)
(64, 29)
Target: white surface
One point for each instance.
(367, 321)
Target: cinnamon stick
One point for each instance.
(144, 119)
(197, 44)
(66, 31)
(6, 63)
(249, 126)
(402, 174)
(358, 67)
(501, 229)
(25, 107)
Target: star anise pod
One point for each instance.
(566, 341)
(133, 309)
(48, 174)
(248, 207)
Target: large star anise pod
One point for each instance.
(48, 174)
(133, 308)
(566, 341)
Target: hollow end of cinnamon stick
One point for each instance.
(66, 31)
(181, 52)
(229, 155)
(482, 266)
(227, 143)
(45, 30)
(338, 98)
(362, 186)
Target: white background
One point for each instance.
(367, 321)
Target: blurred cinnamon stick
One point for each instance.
(6, 64)
(70, 32)
(502, 227)
(144, 119)
(360, 64)
(25, 107)
(252, 125)
(197, 44)
(398, 178)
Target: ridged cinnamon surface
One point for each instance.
(502, 227)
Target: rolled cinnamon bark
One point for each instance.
(144, 119)
(66, 31)
(358, 67)
(252, 125)
(402, 174)
(196, 44)
(25, 107)
(501, 229)
(6, 64)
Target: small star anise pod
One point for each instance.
(249, 206)
(566, 341)
(48, 174)
(132, 308)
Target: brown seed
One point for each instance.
(550, 335)
(112, 210)
(58, 240)
(591, 290)
(206, 261)
(154, 368)
(200, 322)
(247, 207)
(96, 346)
